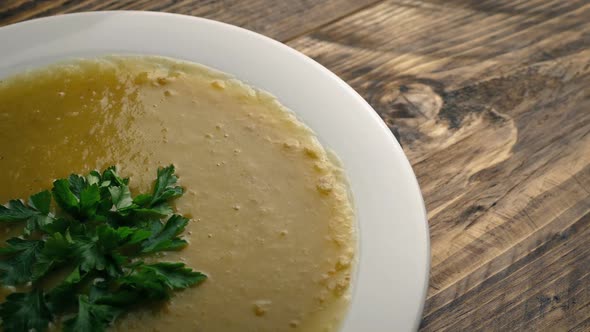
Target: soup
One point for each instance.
(272, 223)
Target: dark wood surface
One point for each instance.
(491, 102)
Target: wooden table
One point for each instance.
(491, 102)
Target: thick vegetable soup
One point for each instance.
(271, 222)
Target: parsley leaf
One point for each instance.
(121, 197)
(97, 235)
(94, 177)
(175, 275)
(133, 235)
(160, 210)
(25, 312)
(101, 293)
(64, 196)
(89, 200)
(77, 197)
(96, 253)
(41, 202)
(21, 255)
(165, 237)
(157, 281)
(165, 188)
(57, 249)
(63, 296)
(110, 175)
(91, 317)
(77, 184)
(16, 211)
(36, 214)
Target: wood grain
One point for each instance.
(491, 102)
(281, 20)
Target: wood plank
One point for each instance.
(553, 300)
(281, 20)
(547, 288)
(490, 102)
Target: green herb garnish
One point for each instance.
(93, 247)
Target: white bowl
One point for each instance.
(392, 275)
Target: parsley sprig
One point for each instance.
(94, 245)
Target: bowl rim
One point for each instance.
(55, 26)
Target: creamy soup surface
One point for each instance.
(272, 223)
